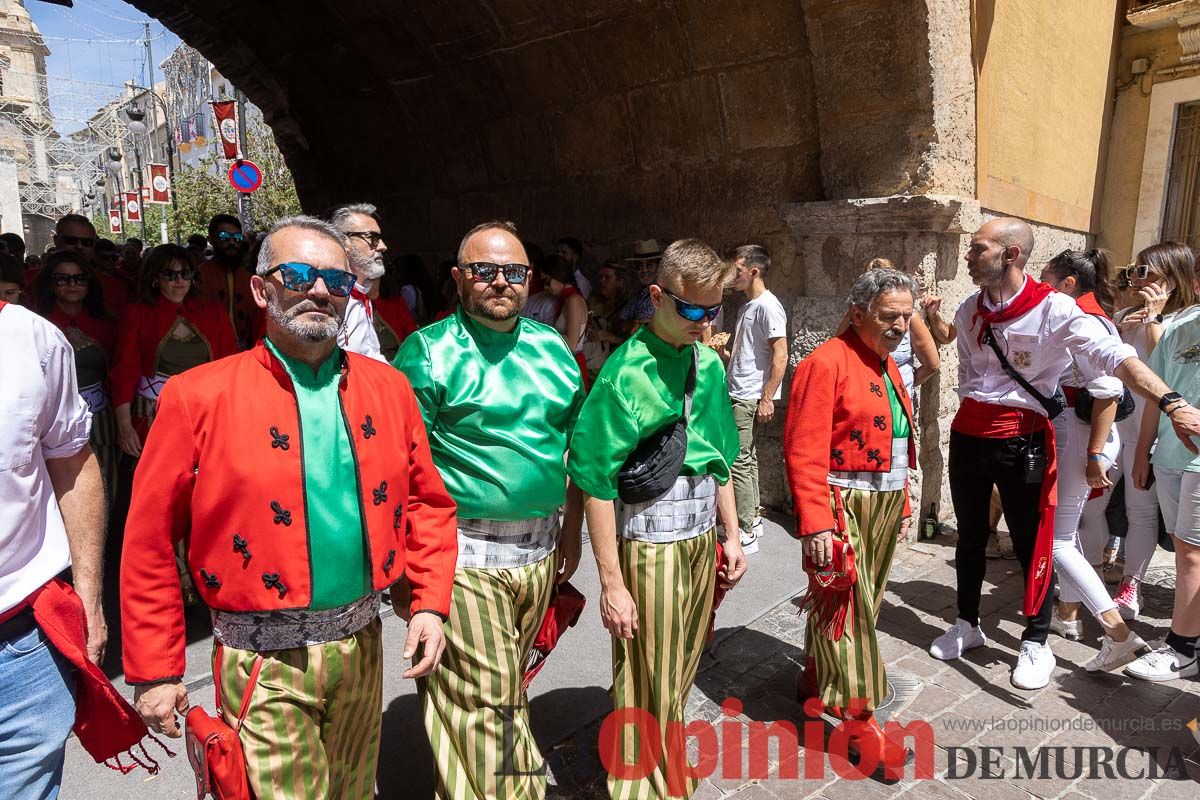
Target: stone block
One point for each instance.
(723, 32)
(592, 137)
(635, 50)
(546, 72)
(517, 148)
(456, 28)
(678, 121)
(458, 154)
(770, 105)
(899, 213)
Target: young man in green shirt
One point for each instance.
(499, 394)
(657, 559)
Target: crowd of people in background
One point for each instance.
(526, 382)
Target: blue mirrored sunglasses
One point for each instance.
(692, 312)
(298, 277)
(225, 236)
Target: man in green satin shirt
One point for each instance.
(500, 394)
(658, 578)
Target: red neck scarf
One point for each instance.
(362, 297)
(1031, 294)
(561, 302)
(1089, 305)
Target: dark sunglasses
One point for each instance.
(177, 274)
(372, 238)
(485, 272)
(692, 312)
(298, 277)
(63, 279)
(225, 236)
(78, 241)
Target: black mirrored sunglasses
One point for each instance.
(485, 272)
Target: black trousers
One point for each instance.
(975, 466)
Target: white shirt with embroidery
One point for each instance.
(1039, 344)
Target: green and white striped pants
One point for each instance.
(313, 725)
(672, 585)
(476, 714)
(850, 670)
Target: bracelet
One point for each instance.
(1095, 457)
(1173, 409)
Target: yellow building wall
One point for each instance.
(1127, 144)
(1043, 78)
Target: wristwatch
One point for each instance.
(1167, 399)
(1157, 318)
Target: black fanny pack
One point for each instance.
(1084, 400)
(654, 465)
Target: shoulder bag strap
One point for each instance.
(246, 695)
(689, 385)
(1052, 409)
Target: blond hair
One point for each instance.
(693, 262)
(879, 263)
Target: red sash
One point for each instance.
(991, 421)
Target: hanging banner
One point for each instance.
(225, 112)
(160, 185)
(133, 207)
(114, 220)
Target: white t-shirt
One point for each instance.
(43, 418)
(358, 331)
(760, 321)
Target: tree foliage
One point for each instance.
(203, 191)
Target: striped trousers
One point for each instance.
(313, 725)
(850, 670)
(672, 585)
(476, 714)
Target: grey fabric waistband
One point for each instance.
(688, 510)
(503, 544)
(263, 631)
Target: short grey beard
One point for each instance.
(313, 334)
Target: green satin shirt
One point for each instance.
(639, 390)
(499, 409)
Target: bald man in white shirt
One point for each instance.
(1001, 435)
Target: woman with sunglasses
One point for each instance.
(166, 330)
(67, 292)
(1086, 454)
(1160, 283)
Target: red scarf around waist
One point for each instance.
(1032, 293)
(991, 421)
(107, 726)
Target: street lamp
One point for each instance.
(137, 118)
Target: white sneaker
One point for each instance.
(757, 527)
(1116, 654)
(1071, 630)
(1162, 663)
(957, 640)
(1035, 663)
(749, 542)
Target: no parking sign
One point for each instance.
(245, 176)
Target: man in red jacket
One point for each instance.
(301, 479)
(847, 449)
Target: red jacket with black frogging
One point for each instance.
(839, 420)
(222, 470)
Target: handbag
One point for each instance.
(652, 468)
(566, 606)
(1084, 400)
(831, 588)
(213, 747)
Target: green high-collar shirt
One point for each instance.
(336, 536)
(640, 390)
(499, 408)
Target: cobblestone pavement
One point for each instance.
(1077, 722)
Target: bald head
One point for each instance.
(1010, 232)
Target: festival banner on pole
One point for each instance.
(160, 184)
(226, 113)
(114, 220)
(133, 207)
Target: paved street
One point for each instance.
(757, 649)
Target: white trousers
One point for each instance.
(1076, 546)
(1141, 507)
